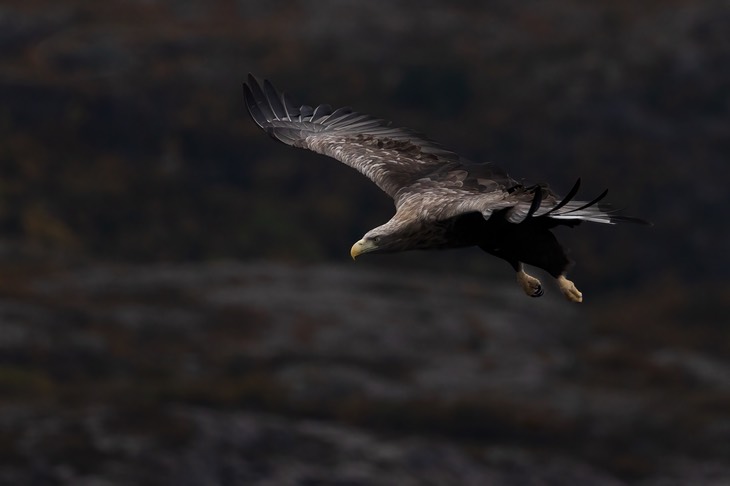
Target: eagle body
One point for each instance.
(441, 199)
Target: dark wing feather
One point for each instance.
(569, 197)
(418, 173)
(536, 201)
(274, 100)
(253, 107)
(258, 99)
(306, 112)
(391, 157)
(292, 112)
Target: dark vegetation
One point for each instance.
(124, 143)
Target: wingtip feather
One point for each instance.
(568, 197)
(274, 100)
(588, 204)
(252, 106)
(535, 204)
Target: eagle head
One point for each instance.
(379, 241)
(368, 244)
(396, 235)
(384, 239)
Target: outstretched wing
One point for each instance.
(409, 167)
(393, 158)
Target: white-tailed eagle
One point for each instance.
(441, 199)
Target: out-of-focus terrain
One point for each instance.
(175, 301)
(259, 373)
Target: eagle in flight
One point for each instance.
(441, 199)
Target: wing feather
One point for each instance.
(588, 204)
(391, 157)
(571, 194)
(336, 116)
(418, 173)
(253, 107)
(274, 101)
(306, 112)
(292, 112)
(259, 99)
(536, 201)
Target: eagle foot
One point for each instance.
(529, 284)
(568, 289)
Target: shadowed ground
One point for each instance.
(258, 373)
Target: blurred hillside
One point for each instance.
(260, 373)
(129, 167)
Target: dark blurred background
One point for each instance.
(177, 304)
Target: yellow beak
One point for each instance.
(362, 246)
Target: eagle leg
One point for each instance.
(529, 284)
(568, 289)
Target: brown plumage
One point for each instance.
(441, 199)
